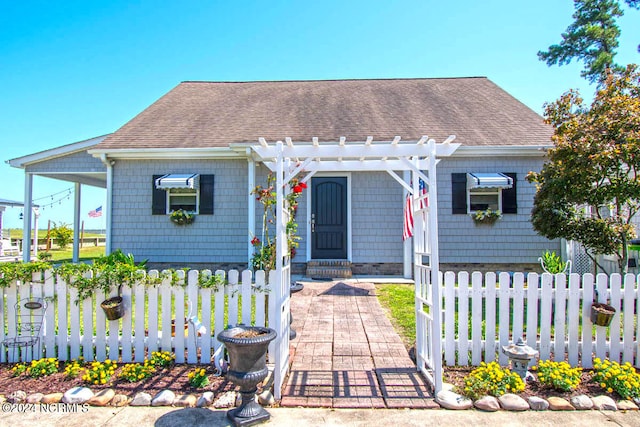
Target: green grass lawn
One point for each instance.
(16, 233)
(399, 302)
(86, 254)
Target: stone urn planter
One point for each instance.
(247, 347)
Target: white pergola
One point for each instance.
(417, 160)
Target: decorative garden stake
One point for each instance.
(520, 354)
(247, 347)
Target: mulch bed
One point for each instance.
(455, 375)
(174, 379)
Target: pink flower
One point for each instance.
(255, 241)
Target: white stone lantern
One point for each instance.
(520, 354)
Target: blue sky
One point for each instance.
(73, 70)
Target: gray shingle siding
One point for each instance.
(376, 215)
(511, 239)
(76, 162)
(220, 237)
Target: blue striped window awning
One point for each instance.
(488, 180)
(178, 180)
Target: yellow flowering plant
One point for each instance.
(73, 368)
(134, 372)
(612, 376)
(162, 359)
(42, 367)
(491, 379)
(99, 372)
(558, 375)
(18, 369)
(198, 378)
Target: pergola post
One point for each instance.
(414, 158)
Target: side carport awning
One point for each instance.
(489, 180)
(178, 180)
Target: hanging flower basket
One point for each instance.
(181, 217)
(486, 217)
(113, 307)
(602, 314)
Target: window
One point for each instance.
(481, 199)
(472, 192)
(182, 198)
(191, 192)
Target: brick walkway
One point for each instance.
(347, 354)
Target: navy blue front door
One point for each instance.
(329, 218)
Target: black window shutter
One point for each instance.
(510, 196)
(206, 195)
(459, 193)
(158, 198)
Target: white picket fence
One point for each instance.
(71, 330)
(482, 313)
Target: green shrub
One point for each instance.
(62, 234)
(553, 263)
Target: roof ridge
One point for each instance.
(336, 80)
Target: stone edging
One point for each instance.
(512, 402)
(108, 397)
(445, 399)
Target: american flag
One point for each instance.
(407, 229)
(96, 213)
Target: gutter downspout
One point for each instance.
(109, 164)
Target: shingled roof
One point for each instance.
(215, 114)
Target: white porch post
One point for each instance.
(407, 246)
(2, 208)
(109, 211)
(36, 217)
(251, 204)
(26, 224)
(76, 222)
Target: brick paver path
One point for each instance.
(347, 354)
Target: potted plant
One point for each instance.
(552, 263)
(247, 347)
(487, 216)
(116, 268)
(181, 217)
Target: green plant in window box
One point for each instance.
(488, 216)
(181, 217)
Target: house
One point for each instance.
(191, 149)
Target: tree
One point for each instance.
(589, 189)
(62, 234)
(592, 38)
